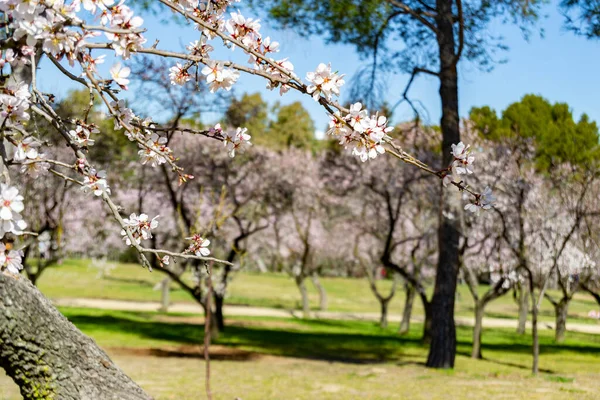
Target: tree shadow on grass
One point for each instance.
(328, 340)
(351, 347)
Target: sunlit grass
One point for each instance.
(273, 358)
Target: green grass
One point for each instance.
(320, 339)
(272, 358)
(77, 278)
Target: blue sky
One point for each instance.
(561, 67)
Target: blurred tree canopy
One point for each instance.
(558, 138)
(292, 125)
(251, 111)
(582, 17)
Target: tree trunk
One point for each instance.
(442, 351)
(165, 286)
(535, 337)
(219, 319)
(407, 312)
(427, 324)
(477, 329)
(47, 356)
(322, 292)
(561, 309)
(523, 308)
(383, 319)
(300, 282)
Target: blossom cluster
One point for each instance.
(324, 82)
(364, 133)
(242, 30)
(199, 246)
(462, 165)
(14, 102)
(11, 205)
(139, 227)
(95, 182)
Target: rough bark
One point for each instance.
(561, 310)
(523, 308)
(536, 339)
(383, 319)
(48, 357)
(407, 311)
(442, 351)
(218, 314)
(428, 324)
(322, 292)
(300, 283)
(477, 329)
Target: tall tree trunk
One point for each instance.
(300, 282)
(535, 337)
(383, 319)
(477, 329)
(322, 292)
(428, 323)
(561, 309)
(407, 311)
(219, 319)
(165, 286)
(48, 357)
(442, 351)
(523, 308)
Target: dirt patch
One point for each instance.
(221, 353)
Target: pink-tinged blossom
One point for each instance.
(484, 201)
(199, 47)
(36, 166)
(178, 75)
(11, 260)
(218, 77)
(81, 134)
(358, 118)
(462, 159)
(11, 205)
(27, 149)
(123, 115)
(237, 141)
(139, 227)
(244, 29)
(156, 151)
(325, 82)
(199, 246)
(95, 182)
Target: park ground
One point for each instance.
(284, 357)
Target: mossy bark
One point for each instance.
(48, 357)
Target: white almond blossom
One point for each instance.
(119, 75)
(199, 246)
(11, 205)
(323, 81)
(11, 260)
(95, 182)
(237, 141)
(27, 149)
(178, 75)
(139, 227)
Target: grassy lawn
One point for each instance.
(270, 358)
(78, 278)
